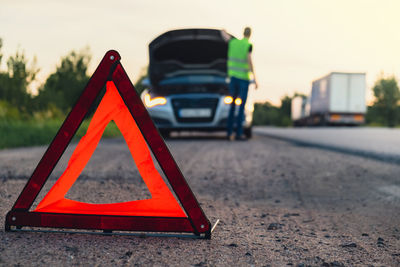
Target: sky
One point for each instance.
(294, 41)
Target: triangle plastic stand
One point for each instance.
(121, 103)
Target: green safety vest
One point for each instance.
(238, 65)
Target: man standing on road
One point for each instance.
(239, 67)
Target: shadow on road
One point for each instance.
(197, 136)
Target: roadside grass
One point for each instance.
(380, 125)
(32, 132)
(374, 124)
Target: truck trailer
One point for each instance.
(336, 99)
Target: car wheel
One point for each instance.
(165, 133)
(248, 132)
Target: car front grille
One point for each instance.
(194, 104)
(161, 122)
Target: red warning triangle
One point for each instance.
(121, 104)
(112, 107)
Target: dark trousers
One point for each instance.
(237, 88)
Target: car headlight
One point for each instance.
(228, 100)
(238, 101)
(151, 102)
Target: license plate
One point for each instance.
(195, 113)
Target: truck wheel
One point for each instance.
(323, 122)
(248, 132)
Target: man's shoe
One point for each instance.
(240, 138)
(231, 137)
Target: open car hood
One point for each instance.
(187, 52)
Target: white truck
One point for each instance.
(336, 99)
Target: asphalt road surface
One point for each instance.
(379, 143)
(280, 203)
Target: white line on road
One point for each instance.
(381, 143)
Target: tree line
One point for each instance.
(54, 97)
(58, 93)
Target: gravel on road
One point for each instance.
(279, 204)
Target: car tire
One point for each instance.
(165, 133)
(248, 132)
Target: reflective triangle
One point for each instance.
(121, 104)
(112, 107)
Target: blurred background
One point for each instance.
(49, 49)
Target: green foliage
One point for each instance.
(286, 110)
(387, 97)
(63, 87)
(26, 120)
(9, 112)
(373, 117)
(1, 46)
(15, 81)
(296, 94)
(16, 133)
(110, 131)
(267, 114)
(52, 112)
(138, 85)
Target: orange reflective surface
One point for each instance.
(162, 203)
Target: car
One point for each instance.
(187, 85)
